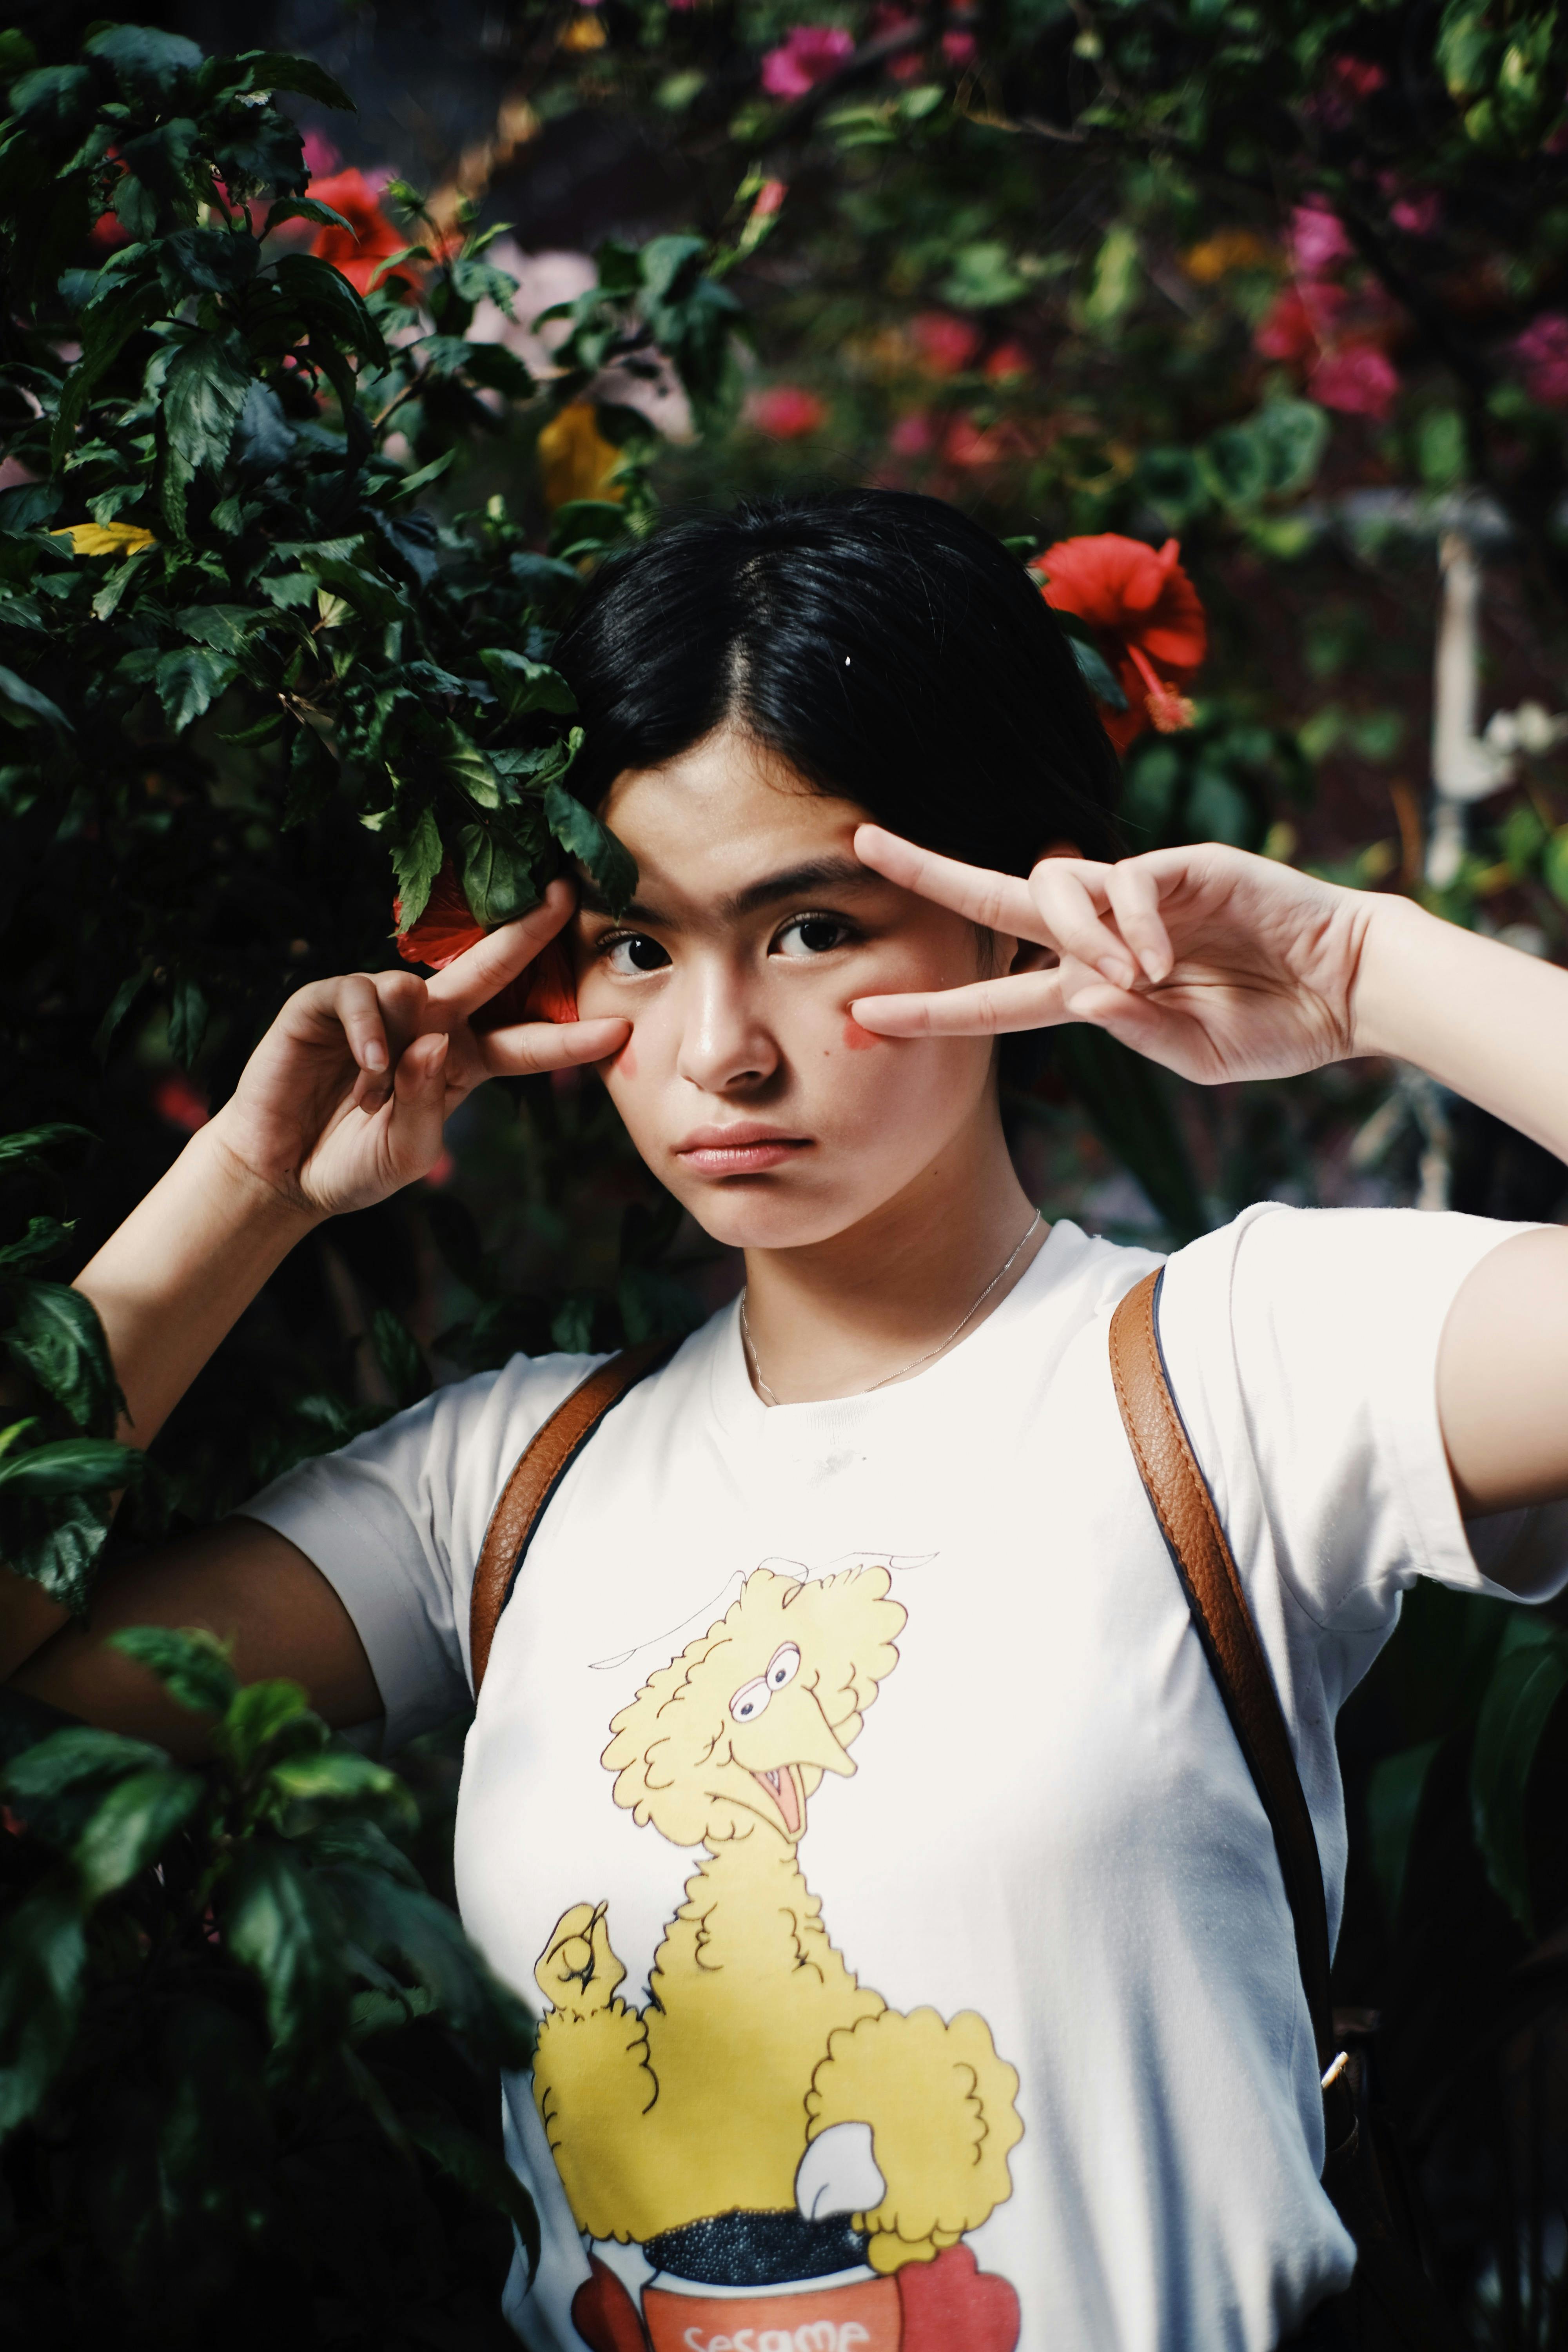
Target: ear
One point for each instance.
(1029, 955)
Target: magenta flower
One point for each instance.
(812, 53)
(786, 411)
(1358, 380)
(1542, 355)
(1317, 241)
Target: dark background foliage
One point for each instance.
(1288, 282)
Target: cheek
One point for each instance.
(859, 1040)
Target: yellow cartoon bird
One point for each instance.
(762, 2076)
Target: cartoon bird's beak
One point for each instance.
(798, 1734)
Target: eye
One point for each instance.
(813, 935)
(750, 1700)
(783, 1666)
(634, 953)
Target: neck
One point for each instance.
(834, 1318)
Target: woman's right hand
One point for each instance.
(344, 1100)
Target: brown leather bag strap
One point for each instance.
(1197, 1545)
(539, 1470)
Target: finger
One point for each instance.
(481, 973)
(419, 1105)
(528, 1046)
(1069, 895)
(356, 1007)
(987, 1008)
(1133, 890)
(1000, 901)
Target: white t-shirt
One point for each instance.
(849, 1795)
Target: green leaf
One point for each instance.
(1530, 1677)
(416, 859)
(205, 393)
(1292, 436)
(68, 1759)
(187, 1019)
(1554, 865)
(44, 1238)
(498, 880)
(120, 1004)
(1097, 673)
(467, 766)
(72, 1466)
(28, 1146)
(188, 681)
(275, 1921)
(402, 1924)
(265, 1715)
(43, 1962)
(131, 1827)
(289, 208)
(1393, 1802)
(339, 1775)
(482, 2174)
(275, 70)
(146, 63)
(57, 1335)
(206, 261)
(16, 691)
(400, 1356)
(527, 685)
(328, 303)
(192, 1665)
(582, 835)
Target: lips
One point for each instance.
(741, 1147)
(781, 1787)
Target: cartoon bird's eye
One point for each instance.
(750, 1700)
(783, 1666)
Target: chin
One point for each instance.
(754, 1216)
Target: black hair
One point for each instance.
(885, 646)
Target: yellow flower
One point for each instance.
(1226, 249)
(105, 538)
(582, 33)
(576, 460)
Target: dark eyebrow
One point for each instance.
(796, 882)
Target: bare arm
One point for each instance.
(343, 1102)
(1224, 966)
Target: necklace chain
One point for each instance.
(932, 1353)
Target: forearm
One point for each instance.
(168, 1286)
(1482, 1019)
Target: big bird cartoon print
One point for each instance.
(798, 2162)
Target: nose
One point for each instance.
(725, 1043)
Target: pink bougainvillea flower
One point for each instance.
(1358, 379)
(914, 434)
(175, 1100)
(1417, 215)
(1542, 355)
(943, 344)
(1008, 362)
(1318, 239)
(320, 157)
(786, 411)
(959, 50)
(812, 53)
(547, 991)
(769, 199)
(360, 252)
(1356, 76)
(1146, 614)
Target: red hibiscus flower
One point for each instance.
(360, 252)
(786, 411)
(943, 344)
(1146, 614)
(547, 991)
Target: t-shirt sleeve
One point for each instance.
(1302, 1347)
(395, 1522)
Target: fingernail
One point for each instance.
(374, 1056)
(1120, 974)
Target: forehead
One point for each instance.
(705, 824)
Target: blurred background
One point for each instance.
(1286, 285)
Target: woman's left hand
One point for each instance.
(1217, 963)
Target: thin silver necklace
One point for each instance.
(930, 1354)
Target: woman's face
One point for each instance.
(745, 1085)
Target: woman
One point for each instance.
(847, 1788)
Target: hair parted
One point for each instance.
(883, 644)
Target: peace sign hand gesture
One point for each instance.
(1218, 964)
(344, 1100)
